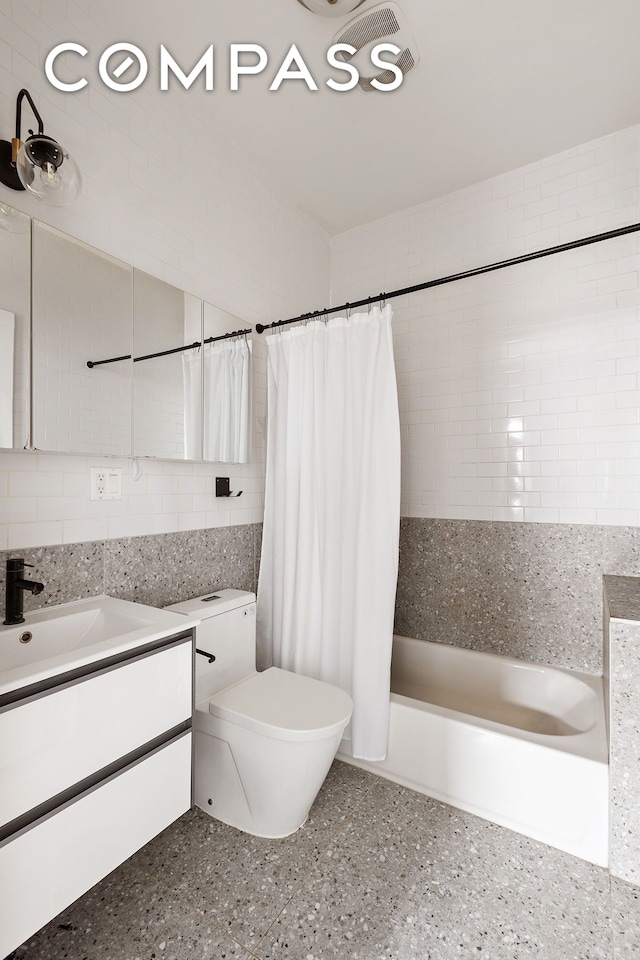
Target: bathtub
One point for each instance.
(518, 743)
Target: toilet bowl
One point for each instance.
(264, 742)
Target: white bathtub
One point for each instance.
(518, 743)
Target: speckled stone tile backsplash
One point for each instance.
(526, 590)
(169, 568)
(157, 569)
(625, 736)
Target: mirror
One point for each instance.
(167, 345)
(15, 285)
(82, 311)
(123, 364)
(192, 394)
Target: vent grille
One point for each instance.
(369, 28)
(405, 61)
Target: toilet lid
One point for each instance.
(284, 706)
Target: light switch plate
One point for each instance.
(106, 483)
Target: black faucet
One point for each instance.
(16, 585)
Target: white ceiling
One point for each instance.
(501, 83)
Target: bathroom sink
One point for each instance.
(60, 638)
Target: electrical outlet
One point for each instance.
(106, 483)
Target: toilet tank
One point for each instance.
(227, 631)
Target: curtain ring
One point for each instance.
(348, 310)
(383, 300)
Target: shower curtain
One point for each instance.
(332, 513)
(225, 401)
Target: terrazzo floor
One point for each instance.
(378, 872)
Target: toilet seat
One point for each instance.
(283, 706)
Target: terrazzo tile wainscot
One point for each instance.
(621, 549)
(540, 592)
(445, 885)
(623, 597)
(430, 596)
(528, 590)
(69, 572)
(257, 541)
(167, 568)
(624, 773)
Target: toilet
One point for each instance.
(264, 742)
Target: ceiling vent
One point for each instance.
(381, 24)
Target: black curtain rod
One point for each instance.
(474, 272)
(165, 353)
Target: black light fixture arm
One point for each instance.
(25, 93)
(16, 143)
(9, 149)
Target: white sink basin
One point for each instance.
(73, 634)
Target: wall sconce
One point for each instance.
(40, 164)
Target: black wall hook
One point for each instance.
(223, 489)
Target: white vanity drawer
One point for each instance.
(52, 742)
(49, 866)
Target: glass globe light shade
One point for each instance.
(331, 8)
(47, 171)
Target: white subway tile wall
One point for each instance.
(520, 389)
(214, 228)
(45, 498)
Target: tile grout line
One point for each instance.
(611, 923)
(216, 925)
(250, 950)
(203, 916)
(321, 854)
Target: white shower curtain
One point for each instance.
(332, 512)
(225, 401)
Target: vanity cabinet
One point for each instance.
(96, 761)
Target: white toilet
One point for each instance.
(264, 742)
